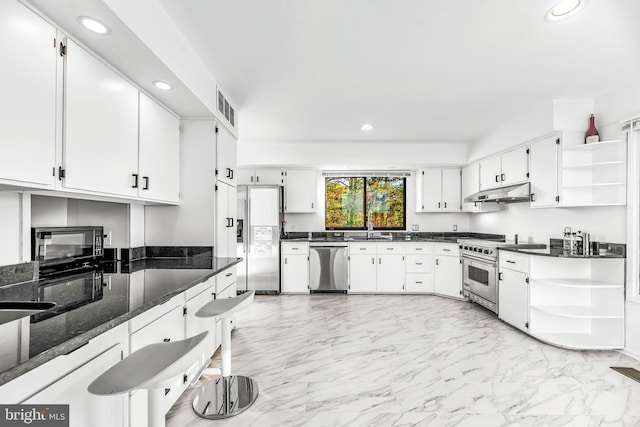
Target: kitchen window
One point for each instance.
(351, 202)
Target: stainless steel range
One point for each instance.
(480, 268)
(480, 272)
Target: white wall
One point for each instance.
(48, 211)
(351, 155)
(10, 228)
(114, 217)
(192, 222)
(359, 156)
(425, 221)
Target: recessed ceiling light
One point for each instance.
(366, 127)
(564, 9)
(94, 25)
(162, 85)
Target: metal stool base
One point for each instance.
(225, 397)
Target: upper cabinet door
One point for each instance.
(27, 128)
(227, 156)
(300, 191)
(490, 172)
(451, 200)
(101, 118)
(470, 185)
(159, 152)
(269, 176)
(431, 194)
(543, 167)
(515, 166)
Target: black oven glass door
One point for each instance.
(478, 275)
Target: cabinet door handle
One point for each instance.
(437, 261)
(135, 180)
(285, 260)
(503, 177)
(373, 261)
(439, 204)
(228, 173)
(497, 178)
(311, 205)
(257, 178)
(231, 177)
(251, 179)
(533, 197)
(231, 222)
(445, 204)
(500, 276)
(166, 339)
(228, 274)
(379, 260)
(146, 182)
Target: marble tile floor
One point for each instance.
(410, 360)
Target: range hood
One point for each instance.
(507, 194)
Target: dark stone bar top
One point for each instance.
(92, 302)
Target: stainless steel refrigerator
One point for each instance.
(259, 222)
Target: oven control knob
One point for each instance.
(487, 251)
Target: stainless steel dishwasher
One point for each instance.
(328, 267)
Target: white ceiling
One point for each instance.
(419, 70)
(122, 49)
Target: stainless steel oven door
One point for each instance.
(479, 277)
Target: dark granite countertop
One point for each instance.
(553, 252)
(437, 237)
(91, 303)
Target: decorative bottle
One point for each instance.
(592, 132)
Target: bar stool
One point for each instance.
(149, 368)
(229, 395)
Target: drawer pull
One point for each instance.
(166, 339)
(418, 283)
(294, 249)
(418, 263)
(447, 250)
(418, 249)
(510, 262)
(363, 249)
(228, 274)
(389, 249)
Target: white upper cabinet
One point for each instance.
(438, 190)
(27, 128)
(507, 168)
(226, 156)
(101, 135)
(451, 200)
(260, 176)
(471, 185)
(158, 177)
(490, 170)
(543, 172)
(515, 166)
(300, 190)
(226, 214)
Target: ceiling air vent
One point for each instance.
(226, 110)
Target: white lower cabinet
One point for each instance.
(362, 268)
(294, 268)
(513, 298)
(390, 273)
(448, 272)
(86, 409)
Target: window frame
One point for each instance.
(364, 204)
